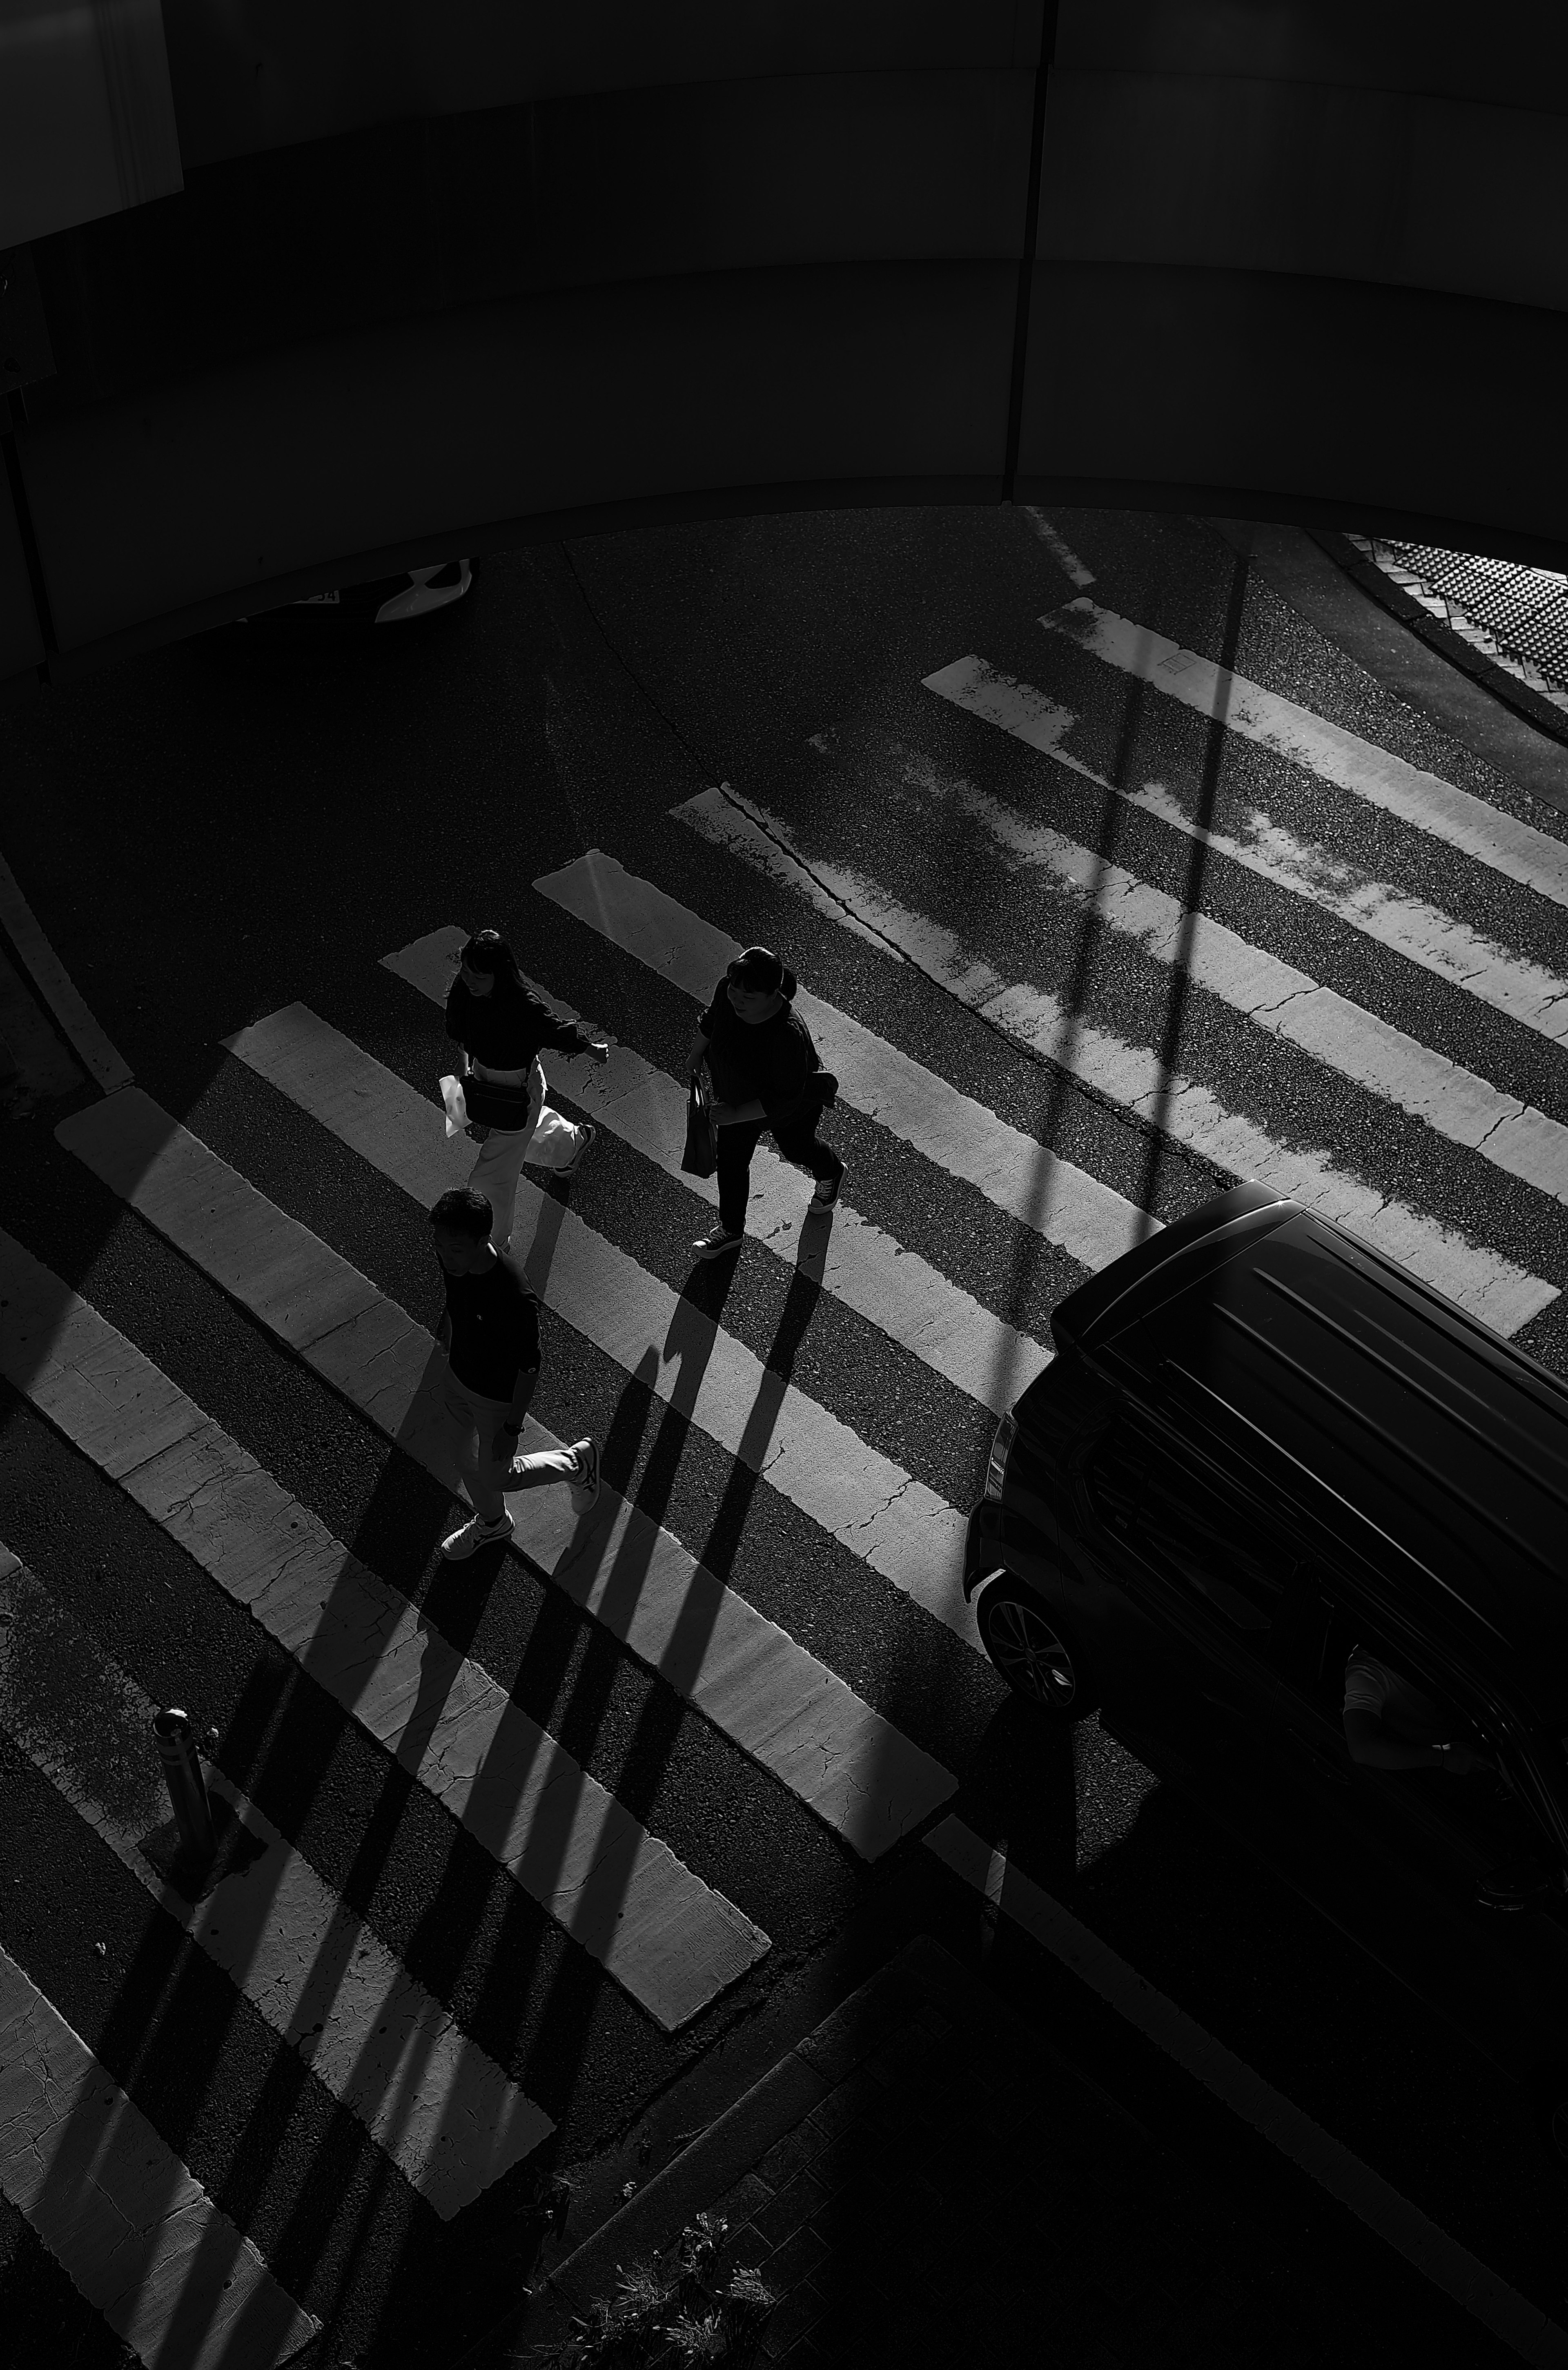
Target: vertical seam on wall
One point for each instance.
(1030, 241)
(32, 556)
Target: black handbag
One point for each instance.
(490, 1104)
(700, 1157)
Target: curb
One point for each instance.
(703, 2177)
(1507, 688)
(1454, 689)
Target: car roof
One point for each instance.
(1423, 1439)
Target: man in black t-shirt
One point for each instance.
(490, 1334)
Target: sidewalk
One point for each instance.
(922, 2180)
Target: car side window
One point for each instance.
(1189, 1528)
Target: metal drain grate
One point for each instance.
(1516, 616)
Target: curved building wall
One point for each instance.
(447, 276)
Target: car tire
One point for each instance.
(1035, 1650)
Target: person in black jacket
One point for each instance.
(490, 1332)
(502, 1026)
(764, 1067)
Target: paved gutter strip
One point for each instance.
(1286, 1002)
(1514, 849)
(134, 2231)
(1063, 1204)
(1449, 949)
(1401, 2226)
(781, 1706)
(860, 1497)
(940, 1323)
(442, 2110)
(666, 1937)
(53, 984)
(1133, 1075)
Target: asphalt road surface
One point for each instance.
(1051, 882)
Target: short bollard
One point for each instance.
(187, 1787)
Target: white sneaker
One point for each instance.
(584, 1494)
(474, 1534)
(715, 1245)
(587, 1130)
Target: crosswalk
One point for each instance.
(448, 2098)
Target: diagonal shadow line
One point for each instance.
(1156, 1151)
(645, 1755)
(136, 2029)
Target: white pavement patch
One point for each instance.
(896, 1290)
(778, 1703)
(1527, 992)
(1490, 1286)
(1516, 849)
(1064, 1205)
(1449, 2266)
(1274, 996)
(859, 1497)
(671, 1941)
(134, 2231)
(327, 1985)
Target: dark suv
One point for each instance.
(1260, 1444)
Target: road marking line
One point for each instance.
(319, 1976)
(1516, 849)
(864, 1499)
(1492, 1287)
(129, 2224)
(1401, 2226)
(1064, 1205)
(1423, 934)
(778, 1703)
(944, 1326)
(1274, 995)
(1066, 558)
(53, 984)
(666, 1937)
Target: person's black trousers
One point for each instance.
(797, 1140)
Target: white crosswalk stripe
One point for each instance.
(441, 2109)
(1062, 1203)
(1426, 934)
(137, 2233)
(1516, 849)
(762, 1689)
(1479, 1279)
(1275, 995)
(620, 1893)
(907, 1299)
(857, 1495)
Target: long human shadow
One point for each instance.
(647, 1752)
(578, 1715)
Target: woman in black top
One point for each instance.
(764, 1067)
(502, 1026)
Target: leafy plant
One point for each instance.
(673, 2313)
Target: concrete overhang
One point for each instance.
(459, 275)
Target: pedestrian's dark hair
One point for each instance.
(464, 1212)
(487, 951)
(760, 970)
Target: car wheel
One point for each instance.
(1035, 1652)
